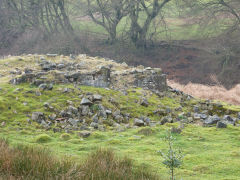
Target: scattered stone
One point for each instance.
(46, 105)
(221, 124)
(86, 101)
(101, 128)
(28, 71)
(95, 118)
(196, 116)
(72, 56)
(60, 66)
(138, 122)
(212, 120)
(178, 108)
(84, 128)
(73, 110)
(3, 123)
(42, 58)
(97, 97)
(38, 117)
(164, 120)
(144, 102)
(117, 113)
(196, 109)
(52, 117)
(50, 87)
(66, 90)
(42, 87)
(204, 116)
(108, 111)
(94, 125)
(228, 118)
(147, 120)
(51, 55)
(44, 124)
(85, 110)
(48, 66)
(69, 102)
(73, 122)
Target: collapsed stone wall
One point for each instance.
(104, 76)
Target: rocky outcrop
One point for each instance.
(81, 72)
(151, 79)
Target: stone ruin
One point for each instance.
(97, 72)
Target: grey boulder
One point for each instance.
(212, 120)
(84, 134)
(221, 125)
(38, 117)
(138, 122)
(86, 101)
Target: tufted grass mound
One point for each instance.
(147, 131)
(28, 163)
(43, 138)
(65, 137)
(104, 164)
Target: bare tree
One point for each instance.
(47, 15)
(215, 11)
(138, 31)
(108, 14)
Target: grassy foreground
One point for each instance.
(210, 153)
(36, 163)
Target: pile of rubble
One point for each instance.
(104, 73)
(84, 70)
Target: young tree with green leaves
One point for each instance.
(173, 157)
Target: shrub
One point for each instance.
(43, 138)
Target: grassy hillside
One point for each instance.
(210, 153)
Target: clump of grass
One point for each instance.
(43, 138)
(98, 135)
(104, 164)
(65, 136)
(75, 141)
(30, 163)
(23, 162)
(146, 131)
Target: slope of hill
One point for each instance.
(74, 105)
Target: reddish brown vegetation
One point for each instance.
(217, 92)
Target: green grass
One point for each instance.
(28, 163)
(210, 153)
(43, 138)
